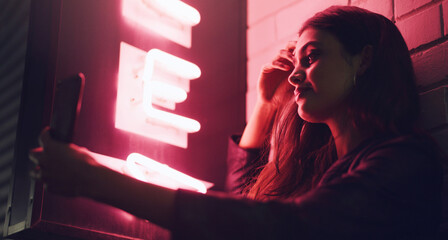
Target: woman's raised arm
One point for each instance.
(273, 88)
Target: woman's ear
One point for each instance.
(366, 59)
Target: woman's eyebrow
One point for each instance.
(310, 43)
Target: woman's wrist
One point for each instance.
(266, 106)
(259, 126)
(90, 178)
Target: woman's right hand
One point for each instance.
(273, 84)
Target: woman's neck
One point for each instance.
(346, 137)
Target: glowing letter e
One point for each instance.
(177, 67)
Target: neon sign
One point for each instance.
(177, 67)
(153, 79)
(152, 83)
(156, 78)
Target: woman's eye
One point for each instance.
(310, 58)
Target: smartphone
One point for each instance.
(66, 106)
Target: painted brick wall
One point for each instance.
(423, 23)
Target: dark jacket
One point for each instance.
(386, 188)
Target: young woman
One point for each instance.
(343, 156)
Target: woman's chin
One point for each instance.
(308, 115)
(305, 115)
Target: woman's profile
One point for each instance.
(333, 149)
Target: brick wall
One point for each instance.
(423, 23)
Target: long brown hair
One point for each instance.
(384, 99)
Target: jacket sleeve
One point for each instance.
(242, 165)
(391, 194)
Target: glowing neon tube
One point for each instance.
(177, 10)
(165, 118)
(156, 58)
(169, 63)
(168, 92)
(134, 158)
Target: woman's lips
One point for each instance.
(298, 92)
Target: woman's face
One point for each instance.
(323, 75)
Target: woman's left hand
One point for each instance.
(64, 168)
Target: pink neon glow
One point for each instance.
(151, 171)
(156, 58)
(130, 112)
(171, 120)
(171, 19)
(134, 160)
(177, 10)
(168, 92)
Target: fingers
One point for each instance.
(284, 61)
(36, 156)
(281, 66)
(291, 46)
(45, 137)
(36, 173)
(288, 53)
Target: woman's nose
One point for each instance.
(296, 77)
